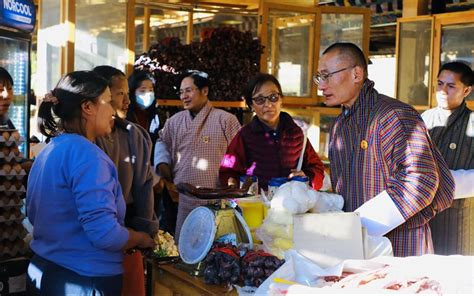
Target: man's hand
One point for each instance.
(172, 190)
(233, 183)
(164, 171)
(158, 188)
(295, 173)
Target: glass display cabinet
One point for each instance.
(425, 43)
(317, 121)
(294, 37)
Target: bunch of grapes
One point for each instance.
(257, 266)
(222, 265)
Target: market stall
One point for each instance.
(336, 257)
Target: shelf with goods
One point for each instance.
(13, 248)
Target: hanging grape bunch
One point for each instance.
(222, 265)
(229, 56)
(257, 266)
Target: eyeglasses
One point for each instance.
(323, 77)
(260, 100)
(186, 90)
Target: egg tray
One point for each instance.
(12, 177)
(12, 214)
(10, 201)
(12, 155)
(12, 189)
(13, 233)
(12, 174)
(9, 137)
(12, 249)
(11, 142)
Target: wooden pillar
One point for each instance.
(189, 29)
(68, 21)
(263, 34)
(413, 8)
(146, 29)
(130, 38)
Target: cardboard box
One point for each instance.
(328, 238)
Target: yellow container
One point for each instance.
(252, 210)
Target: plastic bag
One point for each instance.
(276, 232)
(293, 197)
(300, 270)
(326, 202)
(376, 246)
(296, 268)
(326, 182)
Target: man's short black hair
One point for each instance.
(461, 68)
(351, 52)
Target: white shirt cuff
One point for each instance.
(380, 215)
(161, 155)
(464, 180)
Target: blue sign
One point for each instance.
(18, 14)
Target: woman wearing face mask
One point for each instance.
(451, 126)
(143, 108)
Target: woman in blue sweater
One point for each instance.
(74, 199)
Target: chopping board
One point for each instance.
(328, 238)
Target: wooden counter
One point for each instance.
(168, 280)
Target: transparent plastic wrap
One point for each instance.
(381, 275)
(326, 202)
(276, 232)
(293, 197)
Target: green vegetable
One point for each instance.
(160, 253)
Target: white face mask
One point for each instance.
(442, 99)
(145, 99)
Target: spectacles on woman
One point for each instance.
(260, 100)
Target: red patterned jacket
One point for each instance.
(254, 151)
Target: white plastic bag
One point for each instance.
(376, 246)
(296, 268)
(326, 202)
(276, 232)
(302, 271)
(293, 197)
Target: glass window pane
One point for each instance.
(139, 29)
(324, 125)
(458, 45)
(49, 44)
(290, 37)
(205, 22)
(317, 124)
(413, 62)
(100, 34)
(166, 23)
(341, 28)
(14, 58)
(382, 72)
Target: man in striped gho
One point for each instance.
(383, 162)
